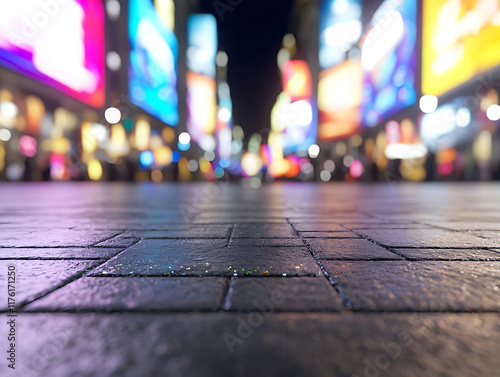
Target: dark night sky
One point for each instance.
(252, 35)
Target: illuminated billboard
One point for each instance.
(340, 29)
(339, 100)
(153, 63)
(60, 44)
(388, 57)
(202, 44)
(296, 108)
(202, 106)
(450, 125)
(459, 41)
(200, 79)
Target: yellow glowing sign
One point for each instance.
(460, 40)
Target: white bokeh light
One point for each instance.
(112, 115)
(222, 59)
(428, 103)
(224, 115)
(493, 113)
(113, 9)
(314, 151)
(113, 61)
(184, 138)
(5, 135)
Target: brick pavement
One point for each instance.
(290, 279)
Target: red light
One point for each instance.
(297, 80)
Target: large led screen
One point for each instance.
(339, 100)
(339, 30)
(460, 40)
(153, 63)
(388, 57)
(299, 115)
(202, 44)
(202, 105)
(57, 43)
(200, 79)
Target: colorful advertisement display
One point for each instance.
(460, 41)
(202, 44)
(296, 108)
(201, 84)
(339, 100)
(340, 30)
(450, 125)
(153, 63)
(388, 58)
(60, 44)
(202, 106)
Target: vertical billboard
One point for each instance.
(153, 63)
(459, 41)
(58, 43)
(201, 84)
(340, 81)
(388, 58)
(299, 113)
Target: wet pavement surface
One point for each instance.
(215, 279)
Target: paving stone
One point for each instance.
(423, 238)
(449, 254)
(348, 249)
(299, 294)
(418, 286)
(36, 277)
(493, 235)
(237, 220)
(292, 344)
(52, 237)
(155, 257)
(126, 294)
(378, 224)
(467, 225)
(118, 241)
(265, 242)
(328, 235)
(183, 232)
(318, 227)
(263, 231)
(58, 253)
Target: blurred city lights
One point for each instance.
(356, 169)
(153, 62)
(222, 59)
(184, 138)
(428, 103)
(348, 116)
(493, 113)
(5, 134)
(112, 115)
(401, 151)
(325, 176)
(251, 164)
(68, 55)
(314, 151)
(94, 169)
(147, 158)
(348, 160)
(224, 115)
(329, 166)
(113, 60)
(8, 109)
(193, 166)
(27, 146)
(113, 9)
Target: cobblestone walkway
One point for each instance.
(216, 279)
